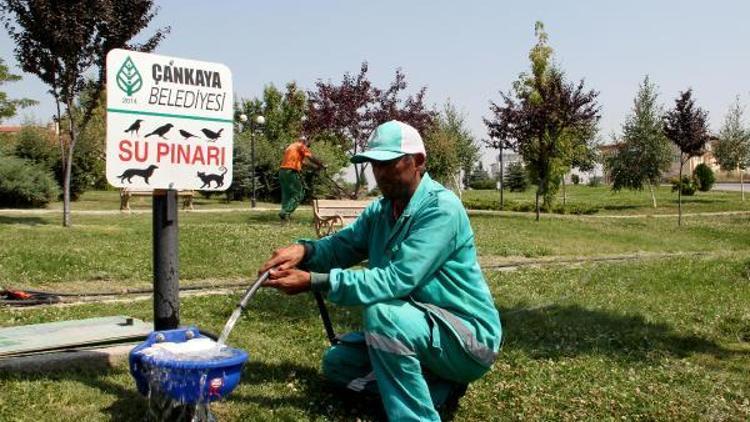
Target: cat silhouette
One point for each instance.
(208, 178)
(144, 173)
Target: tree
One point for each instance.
(644, 153)
(450, 147)
(60, 41)
(687, 127)
(545, 119)
(348, 112)
(480, 179)
(732, 148)
(284, 113)
(515, 178)
(8, 107)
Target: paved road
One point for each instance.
(731, 186)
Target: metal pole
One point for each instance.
(166, 261)
(252, 161)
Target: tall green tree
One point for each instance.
(450, 147)
(644, 153)
(686, 125)
(61, 41)
(8, 107)
(546, 119)
(732, 149)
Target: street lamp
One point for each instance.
(254, 124)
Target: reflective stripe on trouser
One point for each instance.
(291, 191)
(400, 342)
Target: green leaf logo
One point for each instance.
(128, 78)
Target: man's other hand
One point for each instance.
(291, 281)
(284, 258)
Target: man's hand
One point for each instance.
(291, 281)
(284, 258)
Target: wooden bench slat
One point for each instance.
(331, 215)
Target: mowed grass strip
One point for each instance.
(662, 340)
(603, 201)
(114, 252)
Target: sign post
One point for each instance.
(169, 128)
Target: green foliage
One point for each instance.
(704, 177)
(283, 112)
(450, 146)
(37, 145)
(9, 107)
(595, 181)
(576, 179)
(516, 179)
(688, 185)
(732, 148)
(480, 179)
(644, 153)
(25, 184)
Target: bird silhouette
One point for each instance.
(134, 127)
(211, 135)
(161, 130)
(187, 135)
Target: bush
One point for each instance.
(576, 179)
(595, 181)
(36, 145)
(24, 184)
(516, 179)
(483, 184)
(688, 187)
(704, 177)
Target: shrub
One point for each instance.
(24, 184)
(576, 179)
(595, 181)
(516, 179)
(483, 184)
(704, 177)
(36, 145)
(688, 187)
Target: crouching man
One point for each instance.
(430, 325)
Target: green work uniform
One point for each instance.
(291, 191)
(427, 307)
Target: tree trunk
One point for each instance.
(537, 205)
(68, 163)
(679, 195)
(565, 196)
(653, 195)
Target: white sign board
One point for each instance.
(169, 122)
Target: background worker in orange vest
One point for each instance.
(290, 176)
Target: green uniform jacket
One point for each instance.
(427, 257)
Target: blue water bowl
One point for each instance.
(185, 381)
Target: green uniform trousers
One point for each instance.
(412, 360)
(291, 191)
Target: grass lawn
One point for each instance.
(666, 339)
(602, 201)
(112, 252)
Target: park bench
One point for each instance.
(127, 194)
(333, 214)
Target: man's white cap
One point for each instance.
(390, 141)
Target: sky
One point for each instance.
(465, 51)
